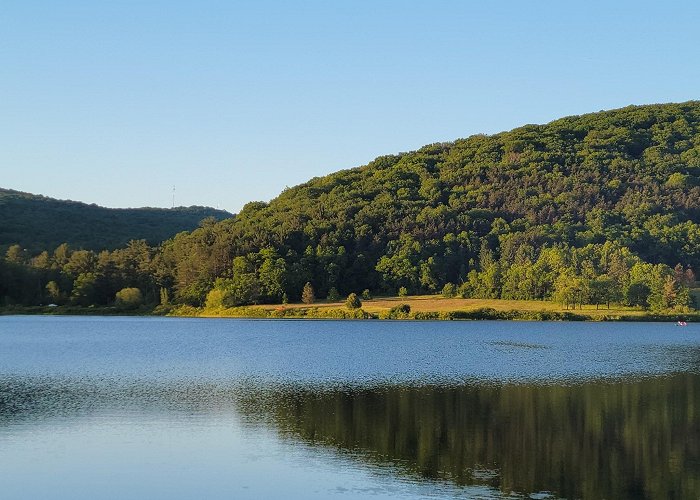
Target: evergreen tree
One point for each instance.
(353, 301)
(307, 294)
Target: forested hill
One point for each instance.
(38, 222)
(629, 177)
(594, 208)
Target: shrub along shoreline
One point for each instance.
(402, 308)
(485, 313)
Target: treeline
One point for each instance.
(597, 274)
(592, 209)
(83, 277)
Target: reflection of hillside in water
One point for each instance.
(638, 439)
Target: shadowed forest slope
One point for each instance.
(38, 223)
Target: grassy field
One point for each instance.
(421, 307)
(437, 303)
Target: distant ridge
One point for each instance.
(38, 222)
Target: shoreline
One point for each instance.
(326, 313)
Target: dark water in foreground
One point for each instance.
(195, 408)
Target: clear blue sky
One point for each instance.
(114, 102)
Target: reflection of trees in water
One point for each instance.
(636, 439)
(595, 440)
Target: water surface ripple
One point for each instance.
(180, 408)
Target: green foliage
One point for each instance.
(678, 180)
(84, 289)
(129, 298)
(366, 295)
(403, 291)
(602, 290)
(38, 223)
(449, 290)
(271, 273)
(215, 298)
(333, 295)
(637, 294)
(353, 301)
(241, 290)
(400, 267)
(53, 292)
(16, 255)
(569, 289)
(164, 296)
(591, 209)
(400, 311)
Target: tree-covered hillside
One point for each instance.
(594, 208)
(38, 222)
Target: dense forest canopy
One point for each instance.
(594, 208)
(38, 223)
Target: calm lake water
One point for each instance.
(207, 408)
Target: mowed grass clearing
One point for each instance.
(436, 303)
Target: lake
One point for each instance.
(101, 407)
